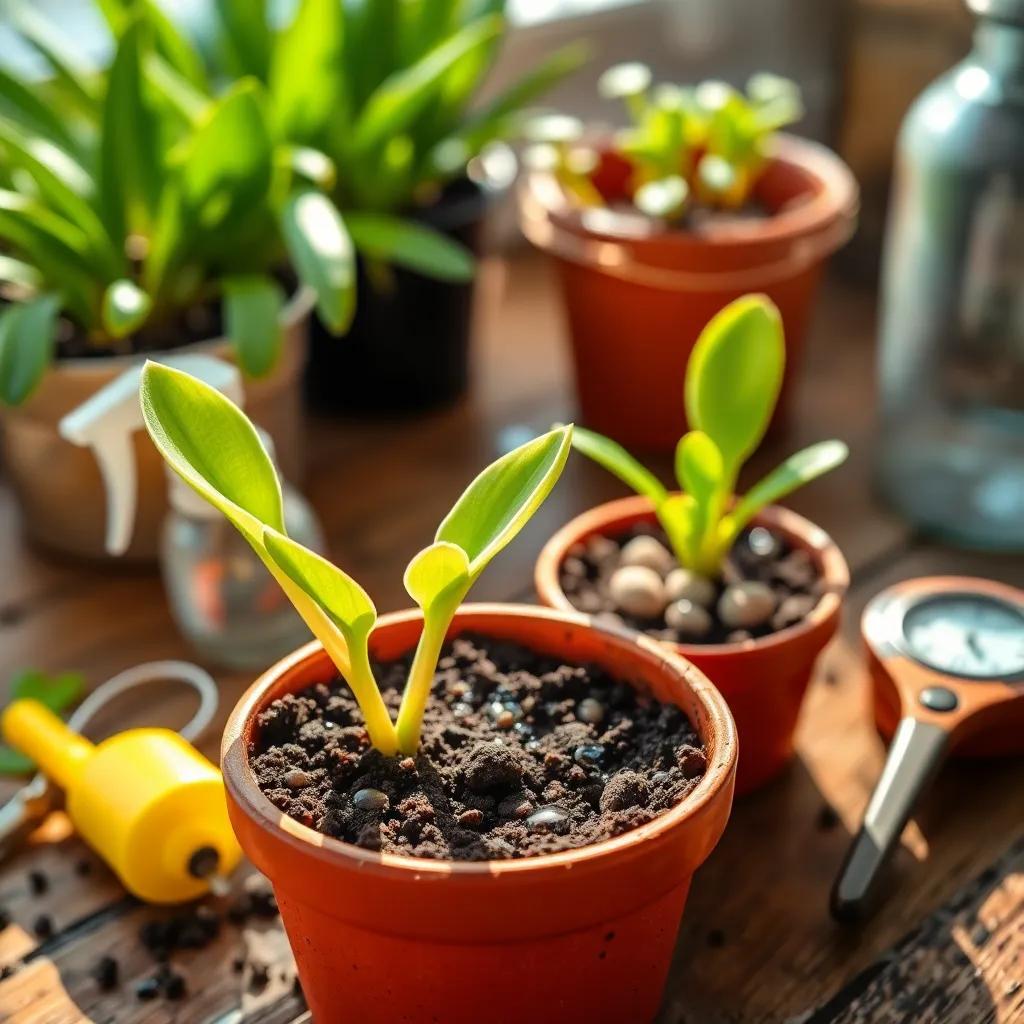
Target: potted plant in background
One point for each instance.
(426, 807)
(699, 201)
(137, 216)
(746, 590)
(385, 91)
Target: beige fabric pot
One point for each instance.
(58, 485)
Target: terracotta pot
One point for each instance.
(637, 295)
(58, 484)
(763, 680)
(580, 937)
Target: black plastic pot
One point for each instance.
(408, 346)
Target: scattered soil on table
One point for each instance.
(759, 556)
(520, 755)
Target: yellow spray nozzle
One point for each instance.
(146, 800)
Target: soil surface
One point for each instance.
(759, 555)
(521, 755)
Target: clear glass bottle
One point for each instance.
(223, 599)
(952, 326)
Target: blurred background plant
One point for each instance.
(686, 145)
(131, 201)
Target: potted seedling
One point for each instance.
(462, 788)
(746, 590)
(386, 92)
(699, 201)
(138, 216)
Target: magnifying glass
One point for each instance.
(946, 655)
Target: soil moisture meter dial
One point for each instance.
(946, 656)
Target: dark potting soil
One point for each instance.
(520, 755)
(790, 573)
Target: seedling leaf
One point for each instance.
(436, 574)
(734, 376)
(617, 460)
(500, 501)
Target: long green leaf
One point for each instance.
(494, 120)
(130, 168)
(734, 376)
(27, 338)
(73, 76)
(226, 166)
(500, 501)
(65, 186)
(414, 246)
(307, 84)
(613, 457)
(403, 95)
(799, 469)
(22, 104)
(245, 36)
(252, 307)
(371, 40)
(213, 447)
(322, 254)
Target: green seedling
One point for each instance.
(130, 198)
(732, 386)
(57, 692)
(706, 144)
(214, 448)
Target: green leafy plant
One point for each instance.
(732, 385)
(705, 144)
(57, 692)
(129, 196)
(211, 444)
(384, 92)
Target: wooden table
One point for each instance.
(757, 943)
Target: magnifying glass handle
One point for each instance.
(916, 752)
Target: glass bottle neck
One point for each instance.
(999, 47)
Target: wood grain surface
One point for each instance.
(757, 943)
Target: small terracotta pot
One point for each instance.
(58, 484)
(763, 680)
(638, 295)
(580, 937)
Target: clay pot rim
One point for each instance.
(239, 779)
(836, 200)
(618, 514)
(299, 304)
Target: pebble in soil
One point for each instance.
(480, 788)
(634, 580)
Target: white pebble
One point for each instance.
(688, 618)
(637, 590)
(686, 585)
(650, 553)
(746, 605)
(590, 710)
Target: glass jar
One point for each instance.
(952, 326)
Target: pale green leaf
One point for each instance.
(125, 307)
(27, 338)
(438, 573)
(130, 166)
(23, 105)
(322, 254)
(344, 600)
(19, 273)
(252, 307)
(211, 444)
(410, 245)
(799, 469)
(734, 376)
(395, 104)
(500, 501)
(613, 457)
(307, 86)
(227, 164)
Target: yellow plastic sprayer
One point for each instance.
(145, 800)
